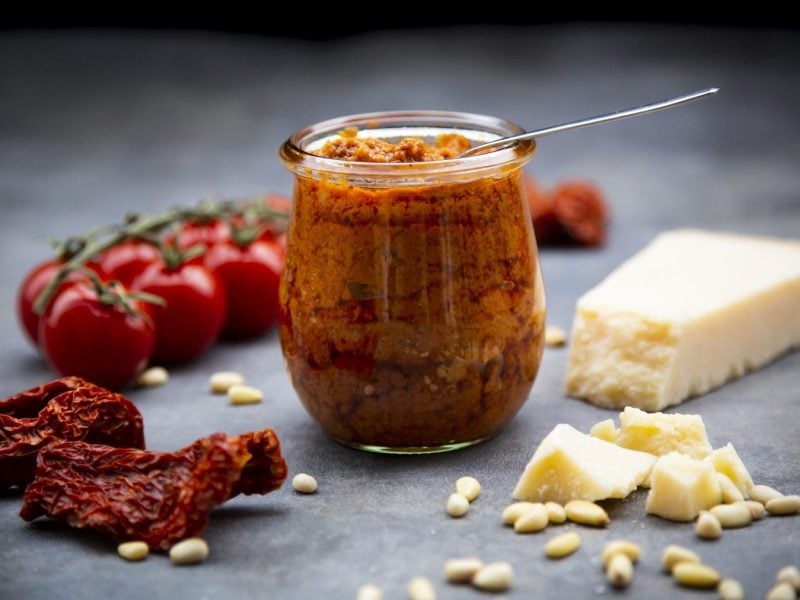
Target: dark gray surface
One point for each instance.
(94, 125)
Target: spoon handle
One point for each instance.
(614, 116)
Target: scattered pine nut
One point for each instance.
(469, 487)
(674, 554)
(708, 526)
(369, 592)
(133, 550)
(245, 394)
(189, 551)
(730, 589)
(421, 588)
(494, 577)
(512, 512)
(586, 513)
(731, 516)
(221, 381)
(730, 493)
(457, 505)
(789, 574)
(783, 506)
(369, 389)
(153, 377)
(629, 549)
(555, 512)
(763, 493)
(757, 509)
(562, 545)
(620, 570)
(695, 575)
(462, 570)
(304, 483)
(554, 336)
(605, 430)
(781, 591)
(532, 520)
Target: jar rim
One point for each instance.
(479, 128)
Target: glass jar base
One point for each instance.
(413, 449)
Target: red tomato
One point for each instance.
(250, 276)
(194, 313)
(208, 233)
(33, 284)
(126, 260)
(100, 342)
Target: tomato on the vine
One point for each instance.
(194, 312)
(207, 233)
(106, 337)
(250, 274)
(124, 261)
(33, 284)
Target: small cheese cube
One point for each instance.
(682, 487)
(726, 461)
(605, 430)
(570, 465)
(660, 433)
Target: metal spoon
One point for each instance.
(615, 116)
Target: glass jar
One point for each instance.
(412, 306)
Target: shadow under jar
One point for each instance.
(412, 305)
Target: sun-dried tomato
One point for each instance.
(157, 497)
(65, 409)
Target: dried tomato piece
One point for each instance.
(582, 213)
(65, 409)
(545, 224)
(157, 497)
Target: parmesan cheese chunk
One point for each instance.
(570, 465)
(726, 461)
(661, 433)
(689, 312)
(682, 487)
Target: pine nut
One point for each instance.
(153, 377)
(620, 570)
(421, 588)
(304, 483)
(763, 493)
(732, 515)
(221, 381)
(494, 577)
(781, 591)
(369, 592)
(785, 505)
(461, 570)
(629, 549)
(730, 589)
(730, 493)
(554, 336)
(457, 505)
(586, 513)
(605, 430)
(469, 487)
(757, 509)
(674, 554)
(696, 575)
(708, 526)
(244, 394)
(189, 551)
(562, 545)
(555, 512)
(133, 550)
(532, 520)
(790, 575)
(512, 512)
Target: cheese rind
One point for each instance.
(682, 487)
(726, 460)
(662, 433)
(689, 312)
(570, 465)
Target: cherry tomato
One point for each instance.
(207, 233)
(80, 335)
(194, 311)
(250, 276)
(33, 284)
(126, 260)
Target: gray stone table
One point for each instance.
(93, 125)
